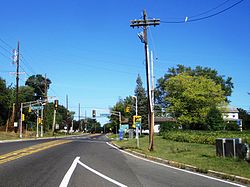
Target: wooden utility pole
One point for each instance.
(46, 102)
(67, 102)
(16, 60)
(146, 23)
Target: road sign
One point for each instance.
(36, 107)
(104, 115)
(136, 121)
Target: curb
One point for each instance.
(217, 174)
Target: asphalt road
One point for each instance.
(88, 161)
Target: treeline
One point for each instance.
(35, 88)
(195, 97)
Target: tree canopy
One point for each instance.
(190, 98)
(5, 97)
(130, 102)
(38, 82)
(140, 93)
(225, 83)
(245, 116)
(33, 90)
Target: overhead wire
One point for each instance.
(205, 17)
(210, 10)
(8, 45)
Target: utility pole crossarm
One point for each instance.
(144, 23)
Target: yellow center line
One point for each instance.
(30, 150)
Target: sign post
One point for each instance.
(137, 124)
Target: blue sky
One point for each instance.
(90, 53)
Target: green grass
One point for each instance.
(202, 156)
(8, 135)
(29, 134)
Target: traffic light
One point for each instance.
(56, 104)
(23, 117)
(93, 113)
(136, 121)
(127, 109)
(39, 120)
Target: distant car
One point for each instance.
(145, 131)
(156, 130)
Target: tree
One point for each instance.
(214, 119)
(243, 114)
(118, 107)
(142, 103)
(93, 126)
(63, 116)
(38, 82)
(26, 94)
(5, 98)
(191, 97)
(225, 83)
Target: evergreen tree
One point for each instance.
(214, 120)
(142, 103)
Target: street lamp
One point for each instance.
(136, 106)
(116, 113)
(136, 128)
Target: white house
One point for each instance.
(230, 114)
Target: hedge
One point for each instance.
(205, 137)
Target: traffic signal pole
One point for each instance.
(54, 122)
(146, 23)
(54, 117)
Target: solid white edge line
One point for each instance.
(101, 175)
(69, 173)
(205, 176)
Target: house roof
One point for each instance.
(163, 119)
(231, 109)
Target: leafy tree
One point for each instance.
(63, 116)
(118, 107)
(129, 101)
(191, 97)
(142, 103)
(214, 119)
(5, 97)
(93, 126)
(243, 114)
(38, 82)
(26, 94)
(225, 83)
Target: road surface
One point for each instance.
(87, 161)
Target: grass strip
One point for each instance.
(202, 156)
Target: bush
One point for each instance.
(204, 137)
(231, 126)
(167, 126)
(214, 119)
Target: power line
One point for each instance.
(204, 17)
(5, 49)
(6, 44)
(5, 55)
(25, 60)
(210, 10)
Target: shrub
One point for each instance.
(204, 137)
(167, 126)
(231, 126)
(214, 119)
